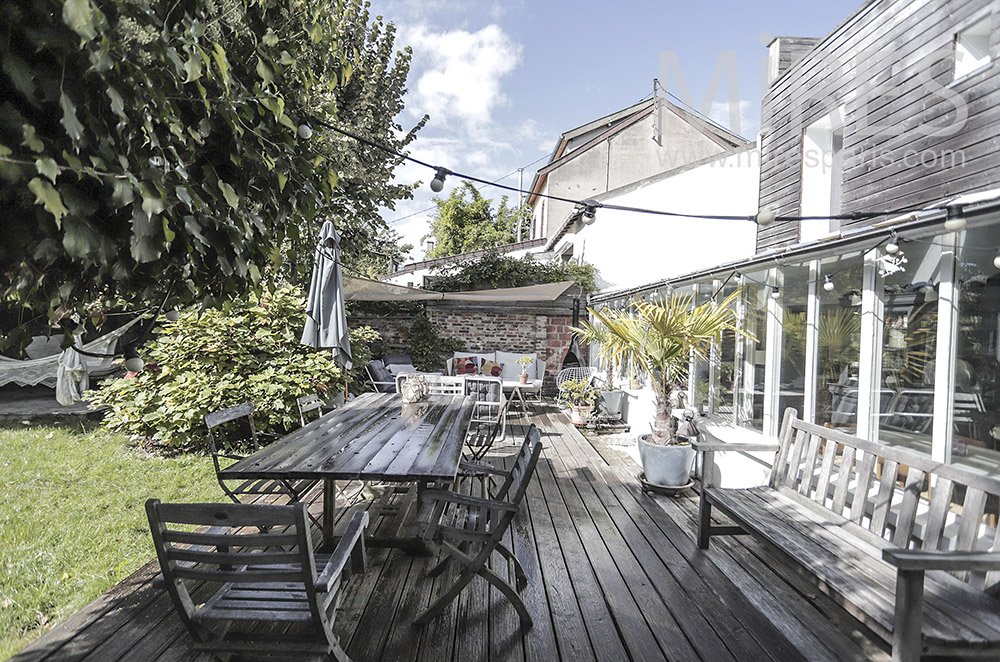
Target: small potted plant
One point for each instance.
(580, 397)
(524, 362)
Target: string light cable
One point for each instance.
(763, 218)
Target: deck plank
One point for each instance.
(614, 574)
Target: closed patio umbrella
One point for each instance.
(326, 318)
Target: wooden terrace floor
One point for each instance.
(614, 575)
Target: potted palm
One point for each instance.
(580, 397)
(658, 339)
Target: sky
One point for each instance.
(502, 81)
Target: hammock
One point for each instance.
(50, 370)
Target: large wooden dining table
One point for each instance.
(374, 437)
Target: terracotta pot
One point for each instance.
(523, 377)
(578, 415)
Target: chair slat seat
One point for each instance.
(260, 588)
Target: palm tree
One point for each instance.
(657, 339)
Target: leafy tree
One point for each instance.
(385, 252)
(202, 363)
(465, 221)
(148, 145)
(494, 270)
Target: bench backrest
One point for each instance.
(895, 494)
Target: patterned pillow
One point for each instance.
(466, 365)
(491, 368)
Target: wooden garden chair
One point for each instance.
(263, 591)
(466, 530)
(308, 403)
(237, 417)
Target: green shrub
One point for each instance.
(202, 363)
(366, 344)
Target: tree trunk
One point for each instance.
(664, 426)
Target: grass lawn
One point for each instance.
(72, 521)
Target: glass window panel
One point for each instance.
(750, 411)
(839, 341)
(726, 370)
(793, 298)
(976, 428)
(909, 338)
(700, 364)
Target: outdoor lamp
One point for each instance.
(775, 293)
(589, 211)
(305, 131)
(765, 217)
(955, 219)
(438, 182)
(996, 260)
(828, 285)
(893, 246)
(132, 361)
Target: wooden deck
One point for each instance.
(613, 575)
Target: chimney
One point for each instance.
(783, 52)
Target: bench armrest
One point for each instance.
(917, 559)
(716, 445)
(353, 537)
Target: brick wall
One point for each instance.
(515, 327)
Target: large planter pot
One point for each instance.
(669, 466)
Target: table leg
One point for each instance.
(329, 511)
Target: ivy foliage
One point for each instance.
(427, 347)
(466, 221)
(202, 363)
(154, 144)
(494, 270)
(366, 344)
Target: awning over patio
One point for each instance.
(363, 289)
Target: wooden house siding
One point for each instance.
(892, 52)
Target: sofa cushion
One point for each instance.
(397, 359)
(512, 369)
(380, 374)
(466, 365)
(491, 368)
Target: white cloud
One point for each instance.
(721, 112)
(460, 72)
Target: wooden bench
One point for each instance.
(906, 545)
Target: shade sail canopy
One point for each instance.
(363, 289)
(326, 317)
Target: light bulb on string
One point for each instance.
(775, 293)
(893, 246)
(955, 218)
(996, 260)
(828, 284)
(438, 182)
(765, 217)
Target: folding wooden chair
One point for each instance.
(271, 593)
(467, 530)
(231, 418)
(308, 403)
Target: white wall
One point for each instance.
(631, 249)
